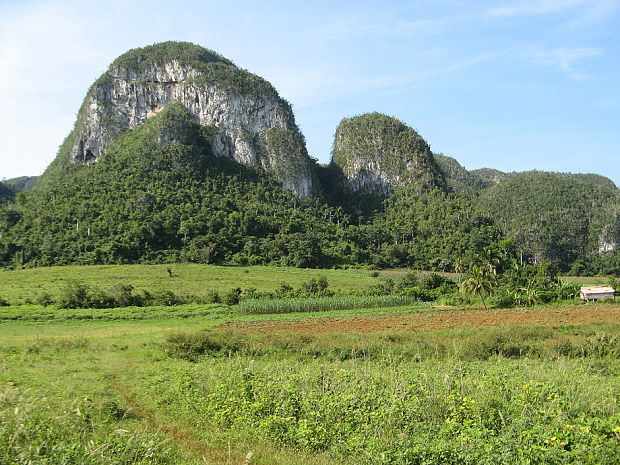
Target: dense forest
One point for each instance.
(148, 201)
(159, 194)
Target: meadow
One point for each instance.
(400, 383)
(18, 286)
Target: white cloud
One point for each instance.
(566, 60)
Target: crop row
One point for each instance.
(318, 304)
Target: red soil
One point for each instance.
(441, 318)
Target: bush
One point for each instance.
(44, 299)
(122, 294)
(3, 302)
(75, 295)
(100, 299)
(409, 280)
(213, 297)
(232, 297)
(189, 346)
(315, 288)
(419, 294)
(166, 298)
(503, 300)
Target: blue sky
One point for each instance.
(512, 85)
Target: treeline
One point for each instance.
(160, 196)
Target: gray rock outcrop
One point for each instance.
(242, 110)
(377, 154)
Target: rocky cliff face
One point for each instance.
(377, 154)
(241, 110)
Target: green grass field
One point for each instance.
(205, 384)
(16, 286)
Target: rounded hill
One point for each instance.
(378, 153)
(241, 110)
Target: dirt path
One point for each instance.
(441, 318)
(183, 437)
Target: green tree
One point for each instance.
(479, 282)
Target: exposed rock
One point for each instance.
(610, 236)
(378, 153)
(240, 107)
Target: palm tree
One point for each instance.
(490, 259)
(458, 267)
(479, 282)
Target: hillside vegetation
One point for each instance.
(555, 217)
(171, 189)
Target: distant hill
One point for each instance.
(490, 176)
(22, 183)
(9, 188)
(7, 193)
(460, 180)
(555, 216)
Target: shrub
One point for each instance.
(419, 294)
(409, 280)
(122, 295)
(3, 302)
(284, 290)
(100, 299)
(505, 299)
(232, 296)
(315, 288)
(45, 299)
(166, 298)
(251, 293)
(189, 346)
(213, 297)
(75, 295)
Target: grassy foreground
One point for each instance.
(200, 384)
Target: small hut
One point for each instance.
(597, 293)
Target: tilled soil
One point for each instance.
(440, 318)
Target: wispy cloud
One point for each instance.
(536, 7)
(312, 86)
(567, 60)
(356, 28)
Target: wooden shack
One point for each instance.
(597, 293)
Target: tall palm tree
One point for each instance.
(479, 283)
(458, 267)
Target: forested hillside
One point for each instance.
(22, 183)
(556, 217)
(160, 195)
(6, 193)
(178, 155)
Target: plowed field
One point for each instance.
(441, 318)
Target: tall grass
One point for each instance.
(319, 304)
(382, 406)
(33, 432)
